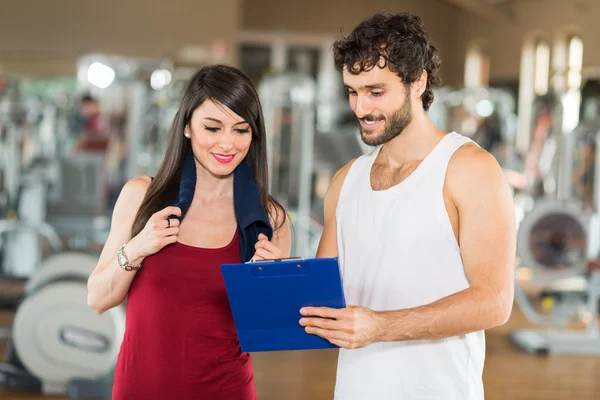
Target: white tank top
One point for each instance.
(397, 250)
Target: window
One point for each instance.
(542, 67)
(572, 97)
(575, 62)
(535, 70)
(477, 67)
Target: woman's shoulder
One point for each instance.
(135, 189)
(130, 199)
(140, 183)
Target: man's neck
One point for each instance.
(414, 143)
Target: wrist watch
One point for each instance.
(124, 261)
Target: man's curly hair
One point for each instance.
(403, 44)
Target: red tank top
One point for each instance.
(180, 340)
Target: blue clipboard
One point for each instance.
(266, 298)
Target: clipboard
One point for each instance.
(266, 298)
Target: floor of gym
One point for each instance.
(510, 373)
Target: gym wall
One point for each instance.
(549, 18)
(41, 38)
(47, 37)
(335, 17)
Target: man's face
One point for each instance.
(381, 102)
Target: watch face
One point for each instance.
(122, 259)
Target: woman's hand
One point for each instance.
(159, 232)
(266, 250)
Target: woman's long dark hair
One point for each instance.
(232, 88)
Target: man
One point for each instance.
(424, 229)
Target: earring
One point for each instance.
(186, 134)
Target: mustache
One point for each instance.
(372, 118)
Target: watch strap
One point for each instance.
(124, 261)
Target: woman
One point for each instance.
(208, 205)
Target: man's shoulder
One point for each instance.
(472, 168)
(471, 158)
(340, 176)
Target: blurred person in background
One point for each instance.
(91, 137)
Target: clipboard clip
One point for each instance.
(275, 260)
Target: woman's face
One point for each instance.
(220, 138)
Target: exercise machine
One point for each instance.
(486, 115)
(311, 133)
(558, 246)
(27, 175)
(59, 345)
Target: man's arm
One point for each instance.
(487, 236)
(328, 243)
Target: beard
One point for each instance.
(399, 120)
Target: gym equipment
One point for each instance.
(21, 252)
(28, 229)
(10, 155)
(590, 100)
(140, 93)
(59, 345)
(302, 158)
(487, 115)
(77, 214)
(289, 109)
(29, 167)
(12, 118)
(558, 242)
(542, 159)
(311, 133)
(27, 177)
